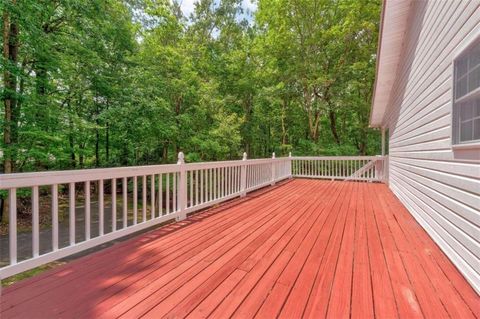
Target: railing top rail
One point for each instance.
(377, 157)
(18, 180)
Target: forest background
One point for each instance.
(105, 83)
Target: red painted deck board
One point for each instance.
(307, 248)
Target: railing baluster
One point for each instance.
(191, 189)
(237, 184)
(234, 179)
(215, 184)
(201, 187)
(125, 202)
(144, 199)
(160, 194)
(167, 192)
(196, 187)
(12, 224)
(253, 182)
(232, 174)
(135, 199)
(35, 222)
(152, 196)
(174, 192)
(224, 181)
(87, 210)
(229, 181)
(209, 181)
(207, 186)
(71, 212)
(54, 217)
(254, 175)
(114, 204)
(221, 177)
(100, 208)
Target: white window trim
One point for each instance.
(466, 145)
(468, 42)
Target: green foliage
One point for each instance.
(112, 82)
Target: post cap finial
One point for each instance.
(273, 155)
(289, 154)
(244, 156)
(181, 158)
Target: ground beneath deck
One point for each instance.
(307, 248)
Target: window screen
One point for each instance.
(466, 102)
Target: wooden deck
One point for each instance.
(307, 248)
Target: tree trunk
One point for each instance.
(107, 140)
(284, 129)
(333, 125)
(165, 153)
(71, 140)
(10, 54)
(247, 141)
(97, 141)
(81, 156)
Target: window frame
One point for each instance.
(455, 119)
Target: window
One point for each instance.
(466, 92)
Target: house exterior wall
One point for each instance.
(439, 185)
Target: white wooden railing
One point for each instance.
(356, 168)
(144, 196)
(149, 195)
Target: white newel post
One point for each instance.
(243, 176)
(273, 169)
(383, 141)
(385, 169)
(182, 188)
(379, 168)
(290, 162)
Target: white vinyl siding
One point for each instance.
(439, 185)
